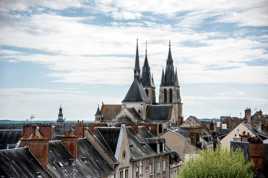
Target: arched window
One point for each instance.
(170, 95)
(165, 95)
(147, 92)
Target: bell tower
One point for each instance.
(170, 89)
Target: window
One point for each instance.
(151, 168)
(170, 95)
(147, 92)
(137, 171)
(121, 174)
(164, 165)
(141, 168)
(126, 173)
(165, 95)
(158, 167)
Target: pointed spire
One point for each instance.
(162, 78)
(146, 72)
(169, 60)
(137, 63)
(98, 112)
(153, 85)
(176, 78)
(146, 63)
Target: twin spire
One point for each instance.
(169, 76)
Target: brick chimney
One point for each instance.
(37, 144)
(70, 143)
(79, 129)
(47, 131)
(248, 115)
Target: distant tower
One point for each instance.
(137, 64)
(170, 89)
(147, 79)
(98, 114)
(60, 116)
(248, 115)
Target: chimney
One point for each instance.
(248, 115)
(79, 129)
(37, 144)
(47, 131)
(70, 143)
(27, 130)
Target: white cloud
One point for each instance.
(95, 54)
(244, 12)
(26, 5)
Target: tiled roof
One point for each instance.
(191, 122)
(109, 111)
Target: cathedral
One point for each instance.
(139, 104)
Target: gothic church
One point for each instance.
(139, 104)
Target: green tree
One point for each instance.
(217, 164)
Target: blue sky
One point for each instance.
(80, 53)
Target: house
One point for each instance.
(138, 152)
(179, 143)
(240, 131)
(39, 155)
(245, 129)
(197, 132)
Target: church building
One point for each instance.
(139, 104)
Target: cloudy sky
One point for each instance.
(79, 53)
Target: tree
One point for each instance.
(217, 164)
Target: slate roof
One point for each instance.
(158, 112)
(108, 136)
(136, 93)
(9, 138)
(96, 165)
(61, 163)
(110, 111)
(138, 148)
(20, 162)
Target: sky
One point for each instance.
(78, 54)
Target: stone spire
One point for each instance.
(162, 78)
(169, 60)
(146, 72)
(137, 63)
(176, 78)
(169, 79)
(98, 112)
